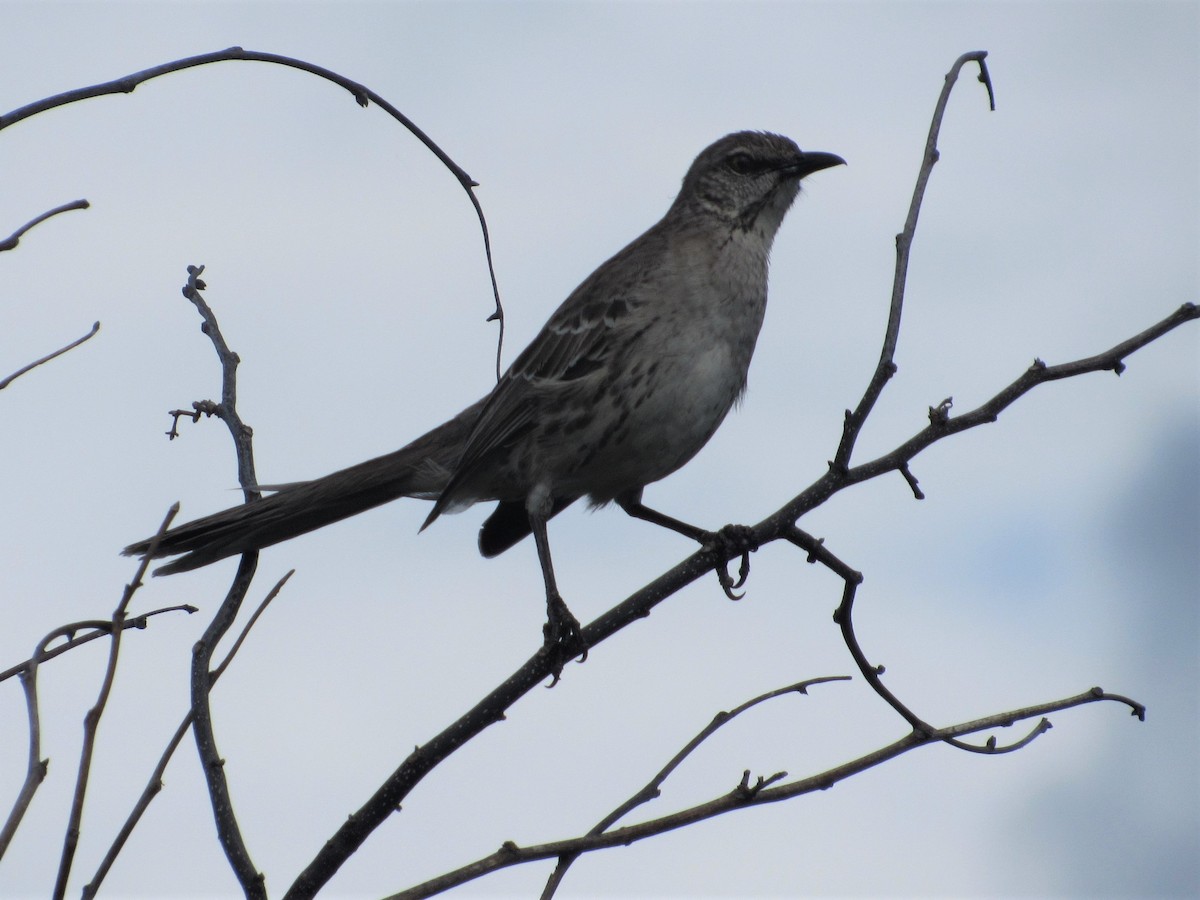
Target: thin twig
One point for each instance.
(36, 767)
(652, 789)
(362, 96)
(155, 783)
(741, 797)
(10, 242)
(872, 673)
(886, 367)
(91, 721)
(92, 631)
(943, 425)
(226, 410)
(28, 670)
(45, 359)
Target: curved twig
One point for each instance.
(844, 618)
(36, 767)
(362, 96)
(45, 359)
(10, 242)
(887, 367)
(93, 630)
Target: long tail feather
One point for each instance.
(421, 469)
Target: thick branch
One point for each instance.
(537, 668)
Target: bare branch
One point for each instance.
(780, 525)
(944, 425)
(228, 831)
(36, 767)
(91, 721)
(362, 96)
(155, 783)
(743, 796)
(10, 242)
(652, 789)
(92, 632)
(226, 410)
(887, 366)
(45, 359)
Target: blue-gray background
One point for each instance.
(1057, 549)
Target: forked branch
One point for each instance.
(742, 796)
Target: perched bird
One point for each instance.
(624, 384)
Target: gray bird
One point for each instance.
(624, 384)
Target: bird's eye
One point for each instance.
(742, 163)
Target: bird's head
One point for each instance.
(749, 179)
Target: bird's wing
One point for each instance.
(574, 343)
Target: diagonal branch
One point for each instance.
(10, 242)
(741, 797)
(5, 382)
(652, 789)
(155, 783)
(92, 630)
(780, 525)
(943, 425)
(91, 721)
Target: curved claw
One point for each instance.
(733, 537)
(562, 637)
(727, 583)
(743, 569)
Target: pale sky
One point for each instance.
(1057, 549)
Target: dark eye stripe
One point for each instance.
(744, 164)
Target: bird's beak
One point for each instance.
(814, 161)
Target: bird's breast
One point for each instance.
(654, 407)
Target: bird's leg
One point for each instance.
(561, 631)
(737, 539)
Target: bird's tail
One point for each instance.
(421, 469)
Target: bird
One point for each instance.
(627, 380)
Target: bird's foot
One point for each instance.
(563, 636)
(732, 539)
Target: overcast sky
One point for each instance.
(1057, 549)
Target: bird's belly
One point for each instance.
(653, 422)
